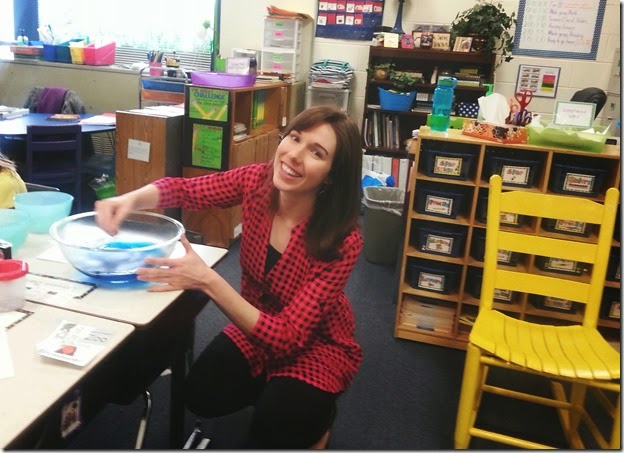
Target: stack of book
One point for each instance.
(468, 80)
(429, 316)
(240, 132)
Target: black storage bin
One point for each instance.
(435, 276)
(514, 171)
(506, 219)
(577, 180)
(447, 164)
(611, 304)
(441, 200)
(477, 250)
(554, 303)
(614, 266)
(440, 238)
(574, 228)
(560, 266)
(474, 282)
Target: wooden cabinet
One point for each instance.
(221, 150)
(148, 148)
(426, 62)
(448, 198)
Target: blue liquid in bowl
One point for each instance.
(118, 245)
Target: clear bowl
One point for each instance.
(44, 208)
(115, 259)
(13, 227)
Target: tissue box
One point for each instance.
(501, 134)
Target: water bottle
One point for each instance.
(442, 103)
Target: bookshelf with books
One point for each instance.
(388, 132)
(226, 128)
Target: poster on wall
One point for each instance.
(207, 146)
(541, 80)
(348, 19)
(559, 29)
(208, 104)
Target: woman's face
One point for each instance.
(303, 160)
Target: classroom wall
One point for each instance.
(105, 89)
(575, 74)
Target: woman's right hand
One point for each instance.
(111, 212)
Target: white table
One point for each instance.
(163, 321)
(39, 383)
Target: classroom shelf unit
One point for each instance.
(450, 200)
(427, 62)
(213, 141)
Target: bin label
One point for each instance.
(570, 226)
(439, 205)
(439, 244)
(448, 166)
(575, 182)
(504, 256)
(561, 265)
(509, 218)
(512, 174)
(431, 282)
(614, 310)
(555, 302)
(503, 294)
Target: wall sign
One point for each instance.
(559, 28)
(541, 80)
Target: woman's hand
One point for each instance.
(187, 272)
(111, 212)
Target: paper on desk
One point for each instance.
(73, 343)
(100, 120)
(6, 361)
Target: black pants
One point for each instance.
(288, 413)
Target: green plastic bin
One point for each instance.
(382, 226)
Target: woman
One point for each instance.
(10, 182)
(290, 348)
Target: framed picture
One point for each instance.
(462, 44)
(417, 32)
(441, 41)
(541, 80)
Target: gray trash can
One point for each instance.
(382, 223)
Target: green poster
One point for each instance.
(208, 104)
(207, 146)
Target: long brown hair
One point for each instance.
(5, 162)
(337, 205)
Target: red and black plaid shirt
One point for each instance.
(306, 326)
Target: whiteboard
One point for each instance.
(559, 28)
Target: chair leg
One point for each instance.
(147, 411)
(322, 442)
(469, 397)
(615, 442)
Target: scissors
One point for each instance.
(524, 98)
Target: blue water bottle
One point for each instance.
(442, 104)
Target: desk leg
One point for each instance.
(179, 368)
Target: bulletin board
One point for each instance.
(557, 29)
(207, 146)
(348, 19)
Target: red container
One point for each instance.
(100, 56)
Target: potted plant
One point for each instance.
(380, 71)
(489, 25)
(398, 98)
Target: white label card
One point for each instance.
(138, 150)
(580, 114)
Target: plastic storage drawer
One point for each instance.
(447, 164)
(435, 276)
(477, 250)
(506, 218)
(328, 96)
(574, 228)
(610, 306)
(441, 239)
(439, 200)
(513, 171)
(279, 60)
(554, 303)
(580, 181)
(474, 282)
(560, 266)
(281, 33)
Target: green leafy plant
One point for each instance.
(403, 81)
(489, 21)
(377, 71)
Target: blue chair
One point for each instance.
(54, 157)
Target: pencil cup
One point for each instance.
(12, 284)
(155, 68)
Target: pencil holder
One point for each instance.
(155, 68)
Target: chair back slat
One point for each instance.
(544, 246)
(542, 285)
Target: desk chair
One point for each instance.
(54, 156)
(576, 355)
(30, 187)
(593, 95)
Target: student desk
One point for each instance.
(40, 385)
(163, 321)
(16, 127)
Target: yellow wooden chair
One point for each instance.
(576, 355)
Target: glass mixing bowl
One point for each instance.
(115, 259)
